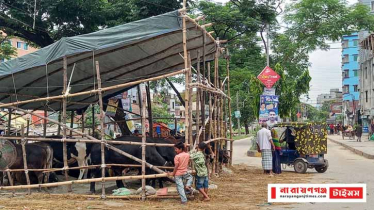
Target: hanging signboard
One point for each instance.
(269, 110)
(268, 77)
(111, 109)
(269, 91)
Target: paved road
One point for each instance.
(345, 167)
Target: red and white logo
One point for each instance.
(317, 193)
(268, 77)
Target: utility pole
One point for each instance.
(267, 45)
(237, 108)
(33, 25)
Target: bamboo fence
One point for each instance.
(214, 93)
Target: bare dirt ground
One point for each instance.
(245, 188)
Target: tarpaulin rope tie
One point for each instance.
(14, 86)
(93, 69)
(46, 75)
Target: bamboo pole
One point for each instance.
(10, 178)
(59, 127)
(128, 197)
(24, 142)
(186, 66)
(216, 85)
(149, 108)
(83, 167)
(18, 138)
(210, 107)
(203, 99)
(83, 181)
(64, 104)
(71, 123)
(134, 158)
(83, 122)
(140, 103)
(45, 122)
(93, 91)
(93, 119)
(102, 129)
(175, 125)
(229, 102)
(190, 92)
(209, 89)
(198, 95)
(144, 137)
(28, 126)
(9, 120)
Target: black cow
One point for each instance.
(168, 153)
(152, 156)
(39, 156)
(77, 154)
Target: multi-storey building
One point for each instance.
(334, 95)
(22, 47)
(350, 81)
(366, 76)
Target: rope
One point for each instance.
(46, 75)
(14, 86)
(93, 69)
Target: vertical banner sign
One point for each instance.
(111, 109)
(269, 110)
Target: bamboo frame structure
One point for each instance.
(205, 89)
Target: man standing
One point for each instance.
(265, 146)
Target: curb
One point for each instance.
(356, 151)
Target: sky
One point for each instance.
(325, 68)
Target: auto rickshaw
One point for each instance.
(303, 145)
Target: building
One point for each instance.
(334, 95)
(22, 47)
(365, 110)
(350, 82)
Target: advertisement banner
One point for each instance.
(126, 104)
(268, 77)
(269, 91)
(288, 193)
(111, 109)
(269, 110)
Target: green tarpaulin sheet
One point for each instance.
(126, 53)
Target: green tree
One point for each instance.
(238, 22)
(316, 115)
(160, 109)
(64, 18)
(6, 49)
(314, 22)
